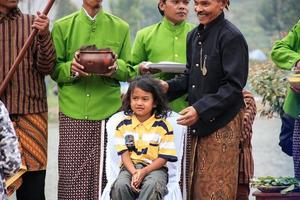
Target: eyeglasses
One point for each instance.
(185, 2)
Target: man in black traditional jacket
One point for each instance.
(217, 70)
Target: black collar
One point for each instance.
(203, 30)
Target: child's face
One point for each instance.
(175, 10)
(142, 104)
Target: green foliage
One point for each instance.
(128, 10)
(64, 8)
(270, 83)
(274, 181)
(278, 15)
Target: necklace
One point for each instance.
(202, 65)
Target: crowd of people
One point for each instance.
(209, 96)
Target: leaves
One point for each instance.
(270, 83)
(274, 181)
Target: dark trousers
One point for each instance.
(33, 186)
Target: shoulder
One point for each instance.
(126, 121)
(229, 31)
(190, 26)
(66, 19)
(116, 20)
(164, 124)
(147, 30)
(192, 33)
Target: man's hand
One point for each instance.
(144, 69)
(41, 23)
(189, 116)
(164, 85)
(77, 69)
(112, 69)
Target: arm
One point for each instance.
(124, 71)
(45, 57)
(286, 52)
(62, 70)
(138, 52)
(127, 162)
(10, 159)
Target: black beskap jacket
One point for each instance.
(217, 70)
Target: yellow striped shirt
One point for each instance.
(145, 141)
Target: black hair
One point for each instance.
(159, 10)
(148, 84)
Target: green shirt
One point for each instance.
(285, 54)
(162, 42)
(93, 97)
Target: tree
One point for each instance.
(137, 13)
(64, 8)
(278, 15)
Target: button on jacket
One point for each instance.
(217, 62)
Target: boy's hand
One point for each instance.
(139, 177)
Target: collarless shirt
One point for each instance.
(146, 140)
(93, 97)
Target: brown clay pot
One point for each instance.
(96, 61)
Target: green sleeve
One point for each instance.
(286, 52)
(138, 51)
(124, 71)
(62, 69)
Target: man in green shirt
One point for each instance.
(86, 100)
(286, 55)
(164, 41)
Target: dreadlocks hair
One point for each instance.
(227, 4)
(153, 86)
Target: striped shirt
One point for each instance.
(145, 141)
(26, 92)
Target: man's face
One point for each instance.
(175, 10)
(6, 5)
(92, 3)
(208, 10)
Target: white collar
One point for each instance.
(87, 14)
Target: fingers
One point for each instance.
(112, 69)
(165, 86)
(41, 23)
(143, 68)
(189, 116)
(77, 69)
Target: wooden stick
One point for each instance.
(21, 55)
